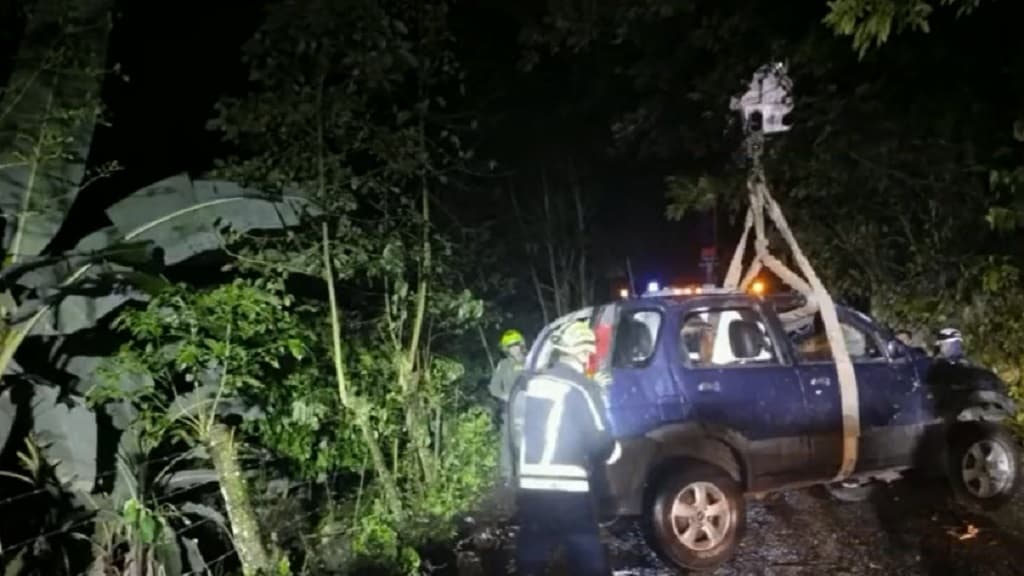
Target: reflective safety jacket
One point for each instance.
(564, 431)
(504, 378)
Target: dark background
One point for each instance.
(178, 58)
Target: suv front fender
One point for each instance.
(987, 405)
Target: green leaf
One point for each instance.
(1002, 219)
(147, 528)
(686, 195)
(130, 511)
(66, 431)
(297, 349)
(90, 371)
(197, 402)
(125, 486)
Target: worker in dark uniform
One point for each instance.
(565, 439)
(949, 345)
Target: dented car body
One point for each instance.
(718, 379)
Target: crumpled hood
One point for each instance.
(964, 376)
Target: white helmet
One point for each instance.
(577, 340)
(950, 343)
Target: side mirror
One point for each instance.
(896, 349)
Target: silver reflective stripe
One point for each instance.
(555, 391)
(544, 386)
(556, 470)
(554, 484)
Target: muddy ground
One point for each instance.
(907, 528)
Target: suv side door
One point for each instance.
(643, 393)
(882, 386)
(758, 399)
(890, 397)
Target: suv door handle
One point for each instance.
(821, 381)
(709, 387)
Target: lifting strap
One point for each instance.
(809, 285)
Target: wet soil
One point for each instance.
(906, 528)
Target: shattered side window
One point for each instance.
(706, 343)
(636, 337)
(859, 344)
(810, 342)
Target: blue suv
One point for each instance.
(719, 395)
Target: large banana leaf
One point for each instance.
(66, 428)
(184, 218)
(47, 116)
(66, 431)
(180, 217)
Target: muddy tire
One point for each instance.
(850, 492)
(984, 465)
(697, 517)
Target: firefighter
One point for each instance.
(513, 346)
(564, 439)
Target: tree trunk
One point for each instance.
(245, 531)
(419, 434)
(550, 242)
(353, 403)
(533, 270)
(581, 238)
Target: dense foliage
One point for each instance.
(350, 102)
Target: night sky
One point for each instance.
(180, 57)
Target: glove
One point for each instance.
(603, 378)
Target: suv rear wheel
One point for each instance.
(697, 516)
(984, 464)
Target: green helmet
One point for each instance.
(511, 338)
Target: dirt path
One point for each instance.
(907, 528)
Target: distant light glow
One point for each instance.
(653, 286)
(688, 290)
(678, 291)
(623, 293)
(757, 287)
(698, 290)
